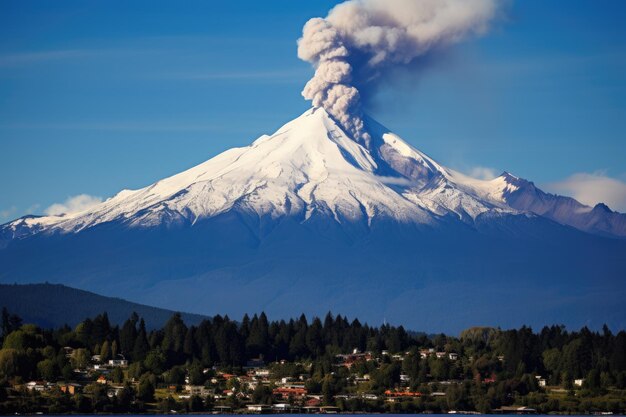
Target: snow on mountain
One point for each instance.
(311, 167)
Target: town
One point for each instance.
(300, 366)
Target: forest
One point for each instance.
(330, 361)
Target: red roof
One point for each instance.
(390, 393)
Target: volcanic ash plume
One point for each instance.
(360, 41)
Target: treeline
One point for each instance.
(493, 367)
(558, 354)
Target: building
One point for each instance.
(284, 408)
(259, 408)
(290, 392)
(579, 382)
(70, 388)
(348, 360)
(402, 394)
(198, 390)
(36, 386)
(118, 363)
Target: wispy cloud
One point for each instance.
(33, 208)
(593, 188)
(7, 213)
(483, 173)
(73, 204)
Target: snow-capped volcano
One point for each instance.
(309, 214)
(308, 167)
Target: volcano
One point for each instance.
(311, 220)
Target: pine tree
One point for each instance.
(141, 346)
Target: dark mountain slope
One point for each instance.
(52, 305)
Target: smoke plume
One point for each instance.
(360, 41)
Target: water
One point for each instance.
(298, 415)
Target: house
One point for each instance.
(69, 351)
(119, 361)
(36, 386)
(424, 353)
(311, 409)
(290, 392)
(542, 382)
(440, 355)
(70, 388)
(198, 390)
(313, 402)
(579, 382)
(259, 408)
(404, 378)
(361, 379)
(284, 408)
(402, 394)
(348, 360)
(114, 391)
(453, 356)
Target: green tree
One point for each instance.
(9, 363)
(141, 346)
(262, 394)
(10, 322)
(80, 358)
(155, 361)
(146, 388)
(105, 351)
(46, 370)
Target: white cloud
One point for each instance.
(8, 212)
(483, 173)
(32, 209)
(592, 189)
(73, 205)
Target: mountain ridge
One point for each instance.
(53, 305)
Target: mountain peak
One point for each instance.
(602, 207)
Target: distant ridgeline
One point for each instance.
(300, 365)
(52, 305)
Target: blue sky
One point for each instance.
(104, 95)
